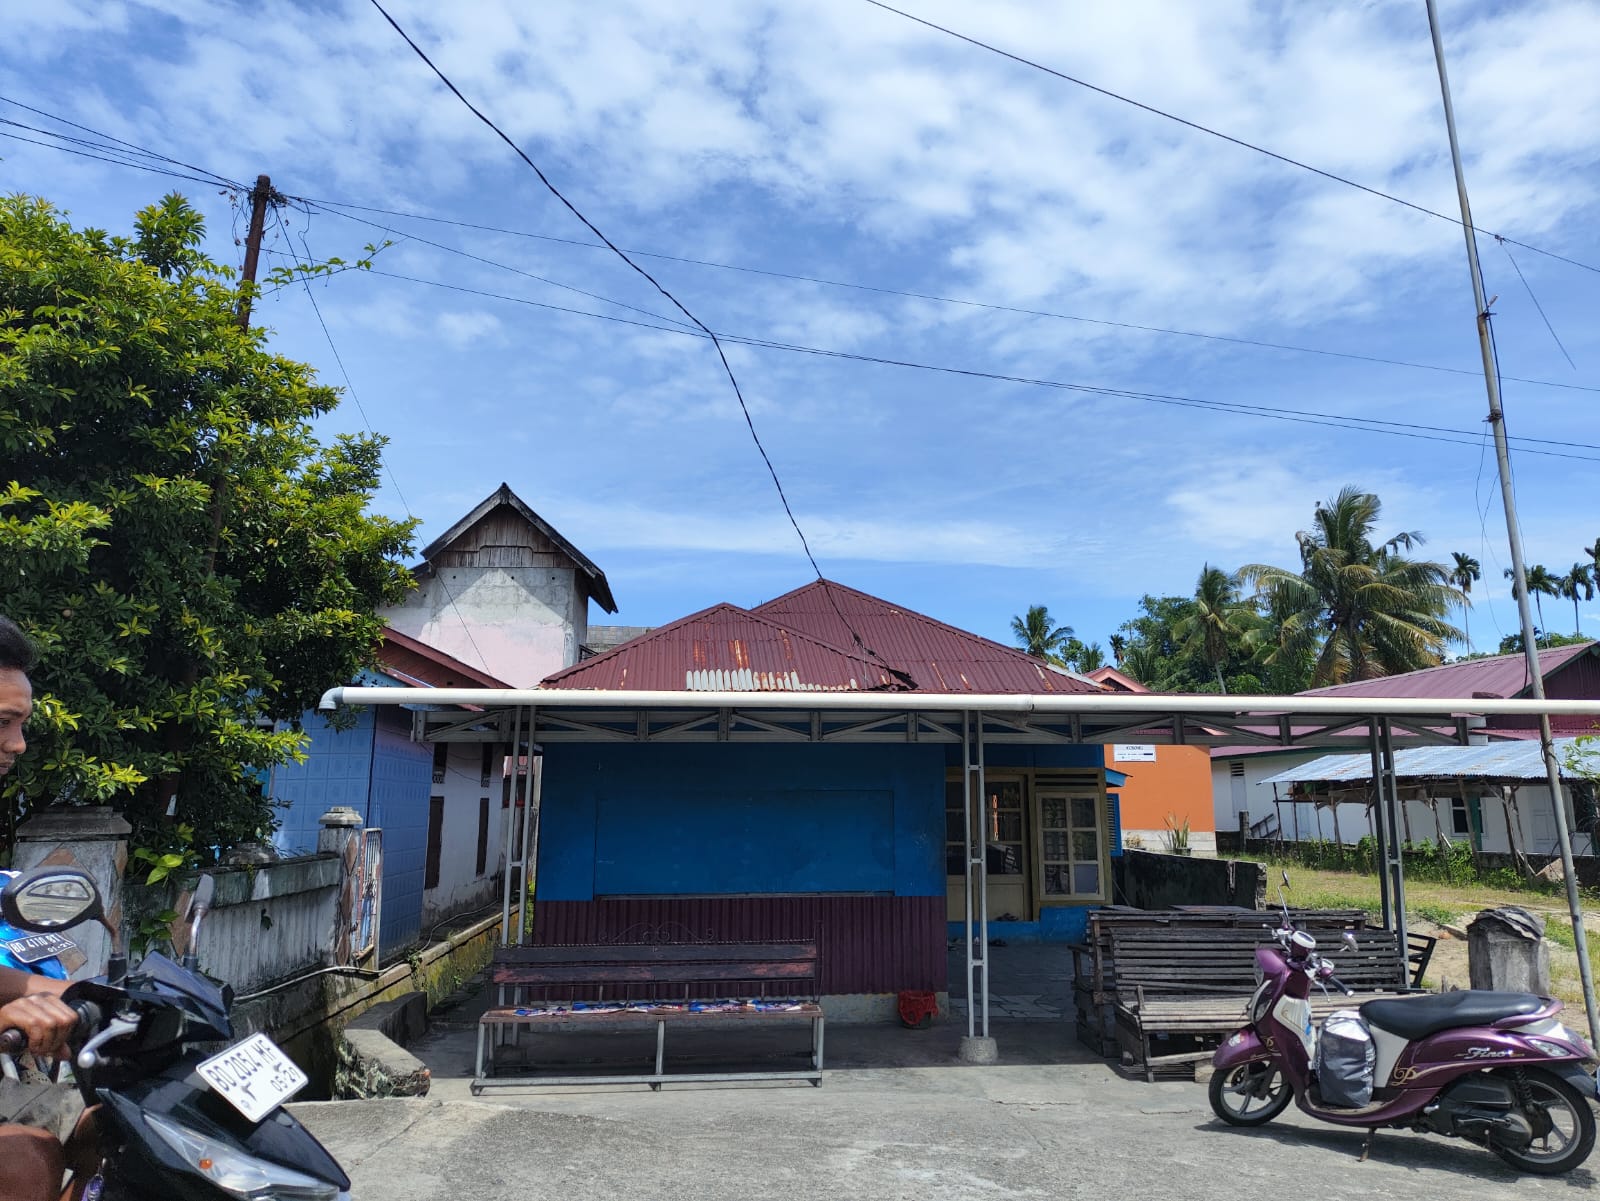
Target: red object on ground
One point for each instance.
(918, 1009)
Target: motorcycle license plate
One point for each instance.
(31, 948)
(254, 1076)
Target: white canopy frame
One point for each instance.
(534, 716)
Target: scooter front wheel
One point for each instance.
(1249, 1094)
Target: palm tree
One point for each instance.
(1036, 634)
(1216, 626)
(1540, 583)
(1576, 584)
(1467, 572)
(1362, 608)
(1594, 560)
(1090, 658)
(1119, 642)
(1144, 663)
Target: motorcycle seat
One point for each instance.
(1417, 1017)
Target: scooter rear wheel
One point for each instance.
(1570, 1137)
(1249, 1094)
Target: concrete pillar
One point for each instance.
(95, 839)
(1506, 951)
(341, 835)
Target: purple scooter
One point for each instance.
(1495, 1068)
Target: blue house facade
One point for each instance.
(852, 835)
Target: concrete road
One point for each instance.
(911, 1125)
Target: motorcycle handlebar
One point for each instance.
(15, 1042)
(1341, 986)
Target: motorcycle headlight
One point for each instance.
(236, 1172)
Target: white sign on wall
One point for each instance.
(1134, 752)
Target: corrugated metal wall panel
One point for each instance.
(867, 944)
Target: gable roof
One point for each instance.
(1111, 679)
(503, 495)
(726, 649)
(1496, 676)
(938, 657)
(426, 666)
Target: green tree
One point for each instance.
(1039, 636)
(1465, 572)
(1576, 585)
(1217, 623)
(193, 564)
(1361, 607)
(1083, 657)
(1119, 644)
(1540, 584)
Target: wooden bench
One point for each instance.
(1094, 984)
(551, 988)
(1196, 983)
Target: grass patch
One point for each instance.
(1439, 915)
(1560, 933)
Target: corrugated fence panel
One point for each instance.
(868, 944)
(402, 781)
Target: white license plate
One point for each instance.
(254, 1076)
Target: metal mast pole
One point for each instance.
(1497, 422)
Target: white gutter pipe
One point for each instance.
(959, 702)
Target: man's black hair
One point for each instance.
(16, 652)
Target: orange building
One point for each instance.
(1164, 782)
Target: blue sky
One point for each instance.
(840, 142)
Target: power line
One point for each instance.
(334, 206)
(1447, 434)
(121, 162)
(676, 303)
(360, 408)
(106, 137)
(478, 258)
(1536, 304)
(1206, 129)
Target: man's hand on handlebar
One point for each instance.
(44, 1018)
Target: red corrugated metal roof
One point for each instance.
(1497, 676)
(725, 648)
(937, 656)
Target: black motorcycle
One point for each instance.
(168, 1117)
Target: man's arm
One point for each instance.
(15, 984)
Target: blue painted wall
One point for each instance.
(402, 780)
(337, 771)
(675, 819)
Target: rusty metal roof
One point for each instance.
(1496, 676)
(728, 649)
(937, 656)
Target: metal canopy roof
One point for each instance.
(571, 715)
(1510, 761)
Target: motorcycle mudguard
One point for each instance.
(1241, 1047)
(1581, 1078)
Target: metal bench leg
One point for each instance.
(816, 1049)
(661, 1053)
(483, 1039)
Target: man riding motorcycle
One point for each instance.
(31, 1163)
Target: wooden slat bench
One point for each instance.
(1094, 984)
(656, 982)
(1195, 983)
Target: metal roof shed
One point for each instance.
(532, 716)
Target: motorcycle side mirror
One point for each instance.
(1286, 877)
(1349, 940)
(48, 899)
(199, 906)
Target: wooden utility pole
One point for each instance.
(260, 197)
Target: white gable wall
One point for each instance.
(526, 622)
